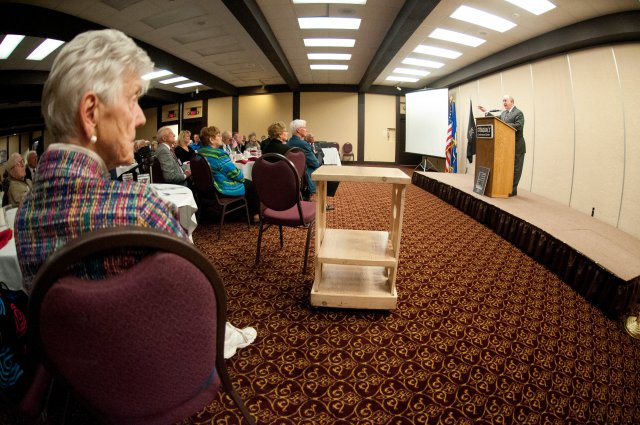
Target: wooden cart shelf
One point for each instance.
(357, 268)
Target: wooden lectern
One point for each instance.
(495, 150)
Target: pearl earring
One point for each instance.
(93, 139)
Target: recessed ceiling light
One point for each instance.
(409, 71)
(399, 78)
(183, 86)
(329, 56)
(456, 37)
(537, 7)
(437, 51)
(329, 23)
(330, 1)
(331, 67)
(44, 49)
(173, 80)
(329, 42)
(482, 18)
(156, 74)
(422, 62)
(9, 44)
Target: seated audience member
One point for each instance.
(32, 162)
(277, 142)
(18, 185)
(227, 142)
(331, 186)
(183, 151)
(228, 180)
(171, 170)
(238, 143)
(196, 143)
(252, 143)
(90, 107)
(143, 155)
(298, 133)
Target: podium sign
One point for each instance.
(496, 151)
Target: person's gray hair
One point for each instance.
(11, 162)
(226, 135)
(161, 133)
(296, 124)
(29, 153)
(98, 61)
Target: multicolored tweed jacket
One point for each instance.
(73, 194)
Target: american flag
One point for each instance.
(450, 150)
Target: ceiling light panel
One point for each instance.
(329, 56)
(456, 37)
(9, 44)
(422, 62)
(482, 18)
(330, 1)
(329, 42)
(173, 80)
(400, 78)
(44, 49)
(409, 71)
(156, 74)
(329, 23)
(329, 67)
(184, 86)
(437, 51)
(537, 7)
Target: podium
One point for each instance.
(495, 149)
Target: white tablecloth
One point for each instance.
(245, 168)
(10, 272)
(331, 156)
(182, 197)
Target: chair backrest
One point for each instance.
(156, 172)
(298, 158)
(276, 181)
(139, 347)
(201, 175)
(347, 148)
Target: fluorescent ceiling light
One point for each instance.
(484, 19)
(409, 71)
(399, 78)
(183, 86)
(329, 56)
(330, 1)
(537, 7)
(44, 49)
(437, 51)
(331, 67)
(329, 42)
(456, 37)
(9, 44)
(156, 74)
(422, 62)
(329, 23)
(173, 80)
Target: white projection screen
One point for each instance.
(427, 122)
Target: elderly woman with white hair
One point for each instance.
(19, 184)
(90, 106)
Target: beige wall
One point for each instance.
(379, 128)
(256, 113)
(150, 128)
(219, 113)
(331, 117)
(581, 128)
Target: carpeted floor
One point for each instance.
(482, 333)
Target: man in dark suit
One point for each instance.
(515, 118)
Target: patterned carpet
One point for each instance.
(482, 333)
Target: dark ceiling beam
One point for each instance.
(43, 22)
(410, 17)
(614, 28)
(252, 19)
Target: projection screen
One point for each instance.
(427, 122)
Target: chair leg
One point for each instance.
(224, 211)
(281, 239)
(259, 242)
(228, 386)
(306, 250)
(246, 208)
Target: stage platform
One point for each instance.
(597, 260)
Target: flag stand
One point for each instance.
(426, 165)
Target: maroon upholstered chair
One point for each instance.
(208, 197)
(347, 152)
(278, 185)
(299, 160)
(144, 346)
